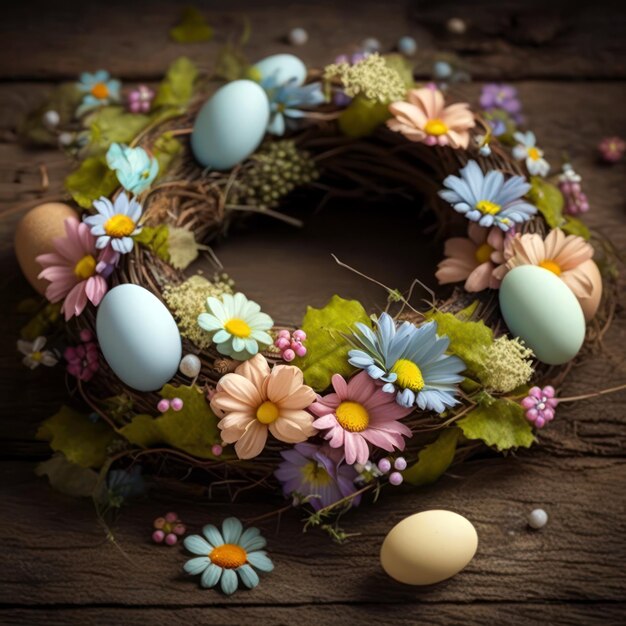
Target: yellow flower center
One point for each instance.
(228, 556)
(315, 474)
(409, 376)
(267, 412)
(36, 356)
(119, 226)
(100, 91)
(487, 207)
(551, 266)
(435, 127)
(352, 416)
(483, 253)
(238, 328)
(86, 267)
(533, 154)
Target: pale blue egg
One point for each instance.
(231, 125)
(541, 309)
(138, 337)
(283, 67)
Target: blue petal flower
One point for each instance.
(134, 167)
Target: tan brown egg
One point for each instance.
(34, 235)
(590, 305)
(428, 547)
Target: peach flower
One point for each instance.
(477, 259)
(425, 118)
(562, 254)
(253, 400)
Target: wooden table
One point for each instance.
(58, 566)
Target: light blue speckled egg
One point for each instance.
(231, 125)
(541, 309)
(138, 337)
(283, 67)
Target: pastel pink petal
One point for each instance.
(574, 251)
(326, 421)
(460, 247)
(75, 301)
(411, 133)
(336, 437)
(393, 427)
(388, 413)
(477, 234)
(452, 271)
(237, 420)
(340, 386)
(252, 441)
(222, 402)
(407, 113)
(553, 243)
(287, 430)
(86, 239)
(386, 441)
(299, 399)
(355, 448)
(361, 387)
(241, 388)
(95, 288)
(495, 239)
(458, 139)
(479, 279)
(256, 370)
(283, 382)
(51, 259)
(458, 116)
(528, 403)
(578, 282)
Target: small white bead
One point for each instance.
(51, 119)
(456, 26)
(371, 44)
(537, 519)
(190, 365)
(298, 36)
(66, 139)
(407, 46)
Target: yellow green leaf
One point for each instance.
(69, 478)
(182, 247)
(192, 27)
(499, 423)
(574, 226)
(165, 149)
(327, 348)
(434, 459)
(176, 88)
(548, 199)
(91, 180)
(155, 238)
(193, 429)
(112, 124)
(81, 441)
(362, 116)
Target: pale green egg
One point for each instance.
(231, 125)
(541, 309)
(282, 68)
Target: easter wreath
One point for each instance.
(342, 403)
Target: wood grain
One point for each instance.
(58, 567)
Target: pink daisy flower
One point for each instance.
(74, 270)
(358, 413)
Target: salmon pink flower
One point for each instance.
(426, 119)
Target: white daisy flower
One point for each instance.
(115, 223)
(238, 326)
(527, 150)
(34, 353)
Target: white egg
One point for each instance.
(537, 519)
(138, 337)
(298, 36)
(428, 547)
(231, 125)
(190, 365)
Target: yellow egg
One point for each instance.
(428, 547)
(590, 305)
(34, 235)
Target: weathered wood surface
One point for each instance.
(58, 567)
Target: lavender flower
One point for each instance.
(540, 405)
(576, 201)
(316, 473)
(503, 97)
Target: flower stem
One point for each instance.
(587, 396)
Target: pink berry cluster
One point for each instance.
(612, 149)
(399, 465)
(82, 360)
(575, 198)
(140, 99)
(540, 405)
(176, 404)
(168, 529)
(290, 344)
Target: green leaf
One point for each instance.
(176, 88)
(192, 27)
(69, 478)
(362, 117)
(165, 149)
(64, 99)
(327, 348)
(182, 247)
(81, 441)
(548, 199)
(468, 340)
(403, 66)
(232, 64)
(90, 181)
(193, 429)
(574, 226)
(44, 322)
(434, 459)
(112, 124)
(155, 238)
(499, 423)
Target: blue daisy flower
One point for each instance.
(410, 360)
(99, 89)
(286, 101)
(228, 557)
(487, 198)
(134, 167)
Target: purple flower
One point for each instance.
(316, 472)
(500, 96)
(140, 99)
(540, 405)
(576, 201)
